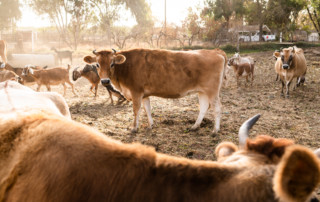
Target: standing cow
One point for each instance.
(3, 51)
(290, 64)
(140, 73)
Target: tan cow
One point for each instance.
(9, 75)
(290, 64)
(3, 51)
(52, 76)
(46, 157)
(16, 98)
(140, 73)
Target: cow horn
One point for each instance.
(94, 52)
(317, 152)
(114, 51)
(244, 129)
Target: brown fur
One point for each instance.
(3, 51)
(26, 80)
(90, 73)
(297, 69)
(140, 73)
(44, 157)
(52, 76)
(8, 75)
(244, 69)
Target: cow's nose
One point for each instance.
(105, 82)
(285, 66)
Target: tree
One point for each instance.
(191, 26)
(69, 17)
(313, 9)
(10, 12)
(224, 9)
(282, 13)
(256, 14)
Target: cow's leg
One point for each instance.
(95, 90)
(204, 106)
(287, 88)
(72, 87)
(136, 104)
(147, 108)
(64, 89)
(282, 88)
(217, 115)
(110, 95)
(39, 86)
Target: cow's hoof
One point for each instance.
(287, 96)
(194, 128)
(134, 131)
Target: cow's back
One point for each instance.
(300, 63)
(171, 73)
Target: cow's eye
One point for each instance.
(282, 57)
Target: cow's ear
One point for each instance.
(269, 146)
(89, 59)
(276, 54)
(225, 149)
(119, 59)
(297, 175)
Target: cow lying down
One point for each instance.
(47, 157)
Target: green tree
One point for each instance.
(313, 9)
(256, 13)
(224, 9)
(9, 13)
(281, 14)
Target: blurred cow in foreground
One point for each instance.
(242, 66)
(290, 64)
(47, 157)
(141, 73)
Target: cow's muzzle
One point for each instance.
(285, 66)
(105, 82)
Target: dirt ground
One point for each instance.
(296, 118)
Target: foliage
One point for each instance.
(313, 10)
(10, 12)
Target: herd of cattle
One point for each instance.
(46, 156)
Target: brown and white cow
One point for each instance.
(242, 66)
(3, 51)
(140, 73)
(46, 157)
(290, 64)
(17, 98)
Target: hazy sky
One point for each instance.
(176, 11)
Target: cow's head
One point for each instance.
(287, 56)
(27, 71)
(107, 61)
(76, 74)
(296, 169)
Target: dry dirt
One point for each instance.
(296, 118)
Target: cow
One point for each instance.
(9, 75)
(140, 73)
(242, 66)
(46, 157)
(51, 76)
(63, 54)
(3, 51)
(290, 64)
(90, 72)
(18, 98)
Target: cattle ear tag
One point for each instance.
(2, 65)
(119, 59)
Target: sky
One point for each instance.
(177, 10)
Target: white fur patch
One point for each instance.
(2, 65)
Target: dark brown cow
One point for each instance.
(3, 51)
(46, 157)
(140, 73)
